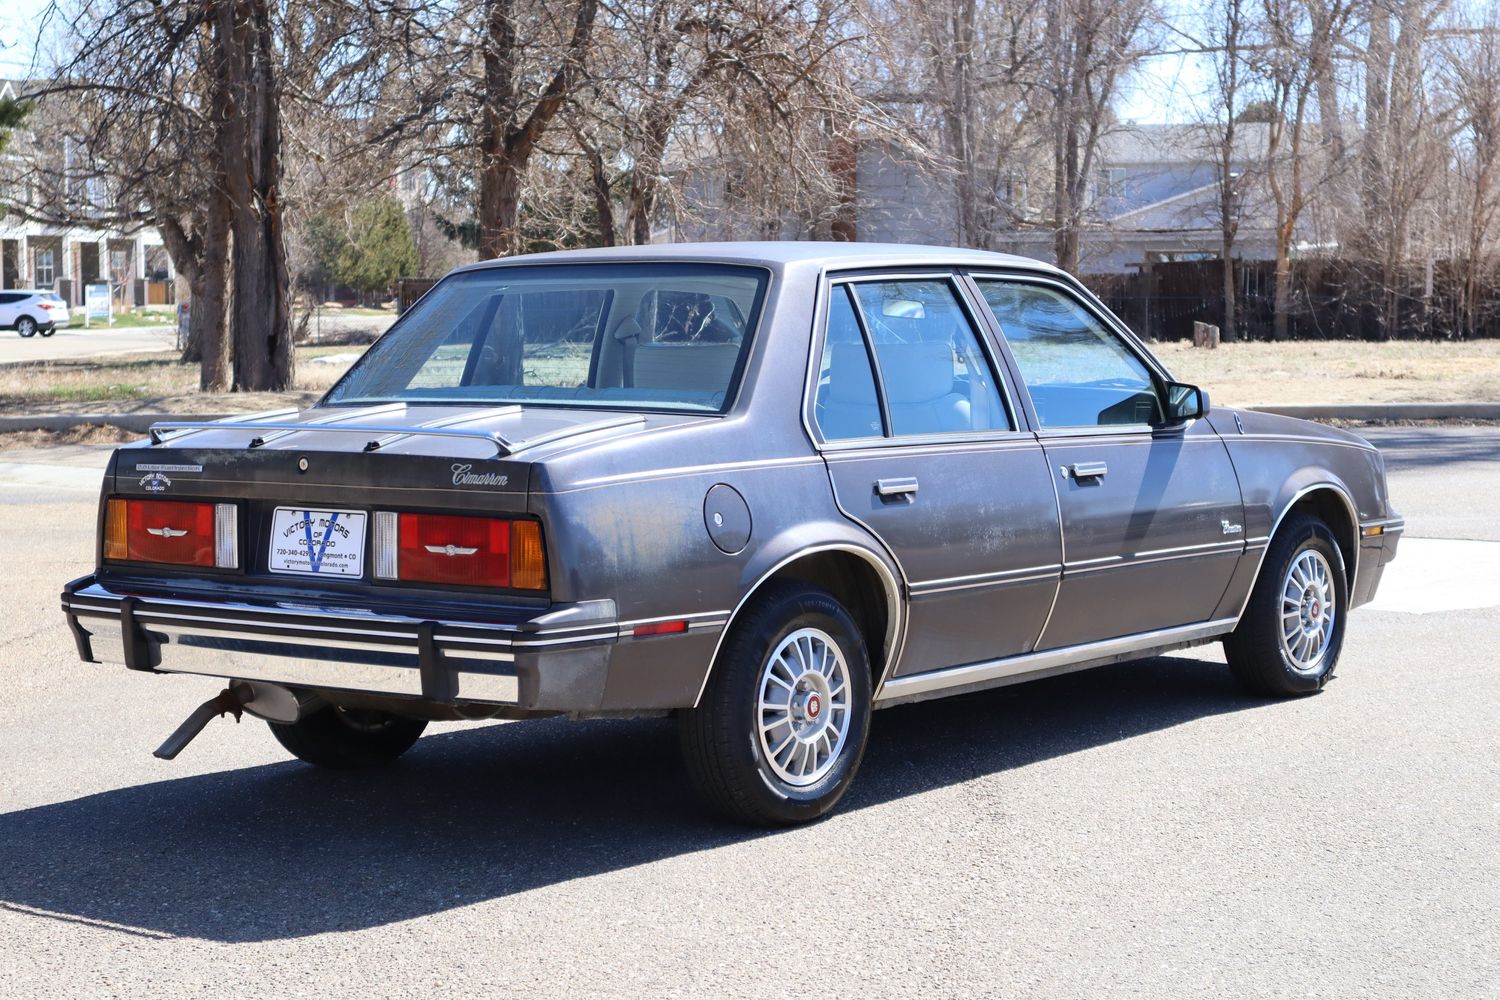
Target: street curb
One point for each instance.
(1386, 411)
(139, 423)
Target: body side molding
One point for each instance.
(1029, 666)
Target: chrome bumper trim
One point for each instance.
(349, 649)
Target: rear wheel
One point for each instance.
(346, 738)
(780, 730)
(1288, 640)
(26, 326)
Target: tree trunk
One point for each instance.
(207, 316)
(506, 139)
(641, 201)
(499, 206)
(250, 152)
(604, 206)
(1228, 331)
(1282, 299)
(202, 258)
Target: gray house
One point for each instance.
(1154, 197)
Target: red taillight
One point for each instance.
(160, 531)
(457, 549)
(46, 305)
(440, 548)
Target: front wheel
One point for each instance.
(1288, 640)
(348, 737)
(781, 728)
(26, 326)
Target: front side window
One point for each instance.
(1079, 372)
(626, 336)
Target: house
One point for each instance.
(66, 257)
(1154, 197)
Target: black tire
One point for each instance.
(1257, 655)
(721, 738)
(348, 738)
(26, 326)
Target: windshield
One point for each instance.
(626, 336)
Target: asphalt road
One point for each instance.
(80, 343)
(1139, 830)
(99, 341)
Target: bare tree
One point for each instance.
(512, 120)
(1302, 37)
(1090, 46)
(1403, 145)
(1229, 33)
(1473, 64)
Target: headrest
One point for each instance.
(916, 373)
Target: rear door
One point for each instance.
(1152, 518)
(924, 448)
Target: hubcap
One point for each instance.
(1308, 609)
(803, 714)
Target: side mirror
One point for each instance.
(1185, 402)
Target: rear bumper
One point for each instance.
(561, 661)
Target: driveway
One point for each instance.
(1138, 830)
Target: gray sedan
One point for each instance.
(765, 487)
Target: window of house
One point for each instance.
(1112, 182)
(46, 268)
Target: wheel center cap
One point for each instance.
(814, 706)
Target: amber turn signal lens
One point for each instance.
(116, 540)
(528, 564)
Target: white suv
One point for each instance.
(29, 313)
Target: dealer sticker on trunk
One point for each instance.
(322, 542)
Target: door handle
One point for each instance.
(1088, 470)
(906, 486)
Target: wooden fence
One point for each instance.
(1331, 300)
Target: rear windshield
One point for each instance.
(627, 336)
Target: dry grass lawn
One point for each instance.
(1235, 374)
(154, 383)
(1340, 371)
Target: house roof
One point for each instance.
(1160, 145)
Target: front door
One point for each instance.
(924, 451)
(1153, 524)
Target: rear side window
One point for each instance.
(847, 406)
(934, 376)
(1079, 372)
(10, 298)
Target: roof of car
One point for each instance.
(826, 253)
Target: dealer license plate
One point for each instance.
(320, 542)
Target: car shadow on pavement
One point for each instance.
(284, 850)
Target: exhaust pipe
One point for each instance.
(271, 702)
